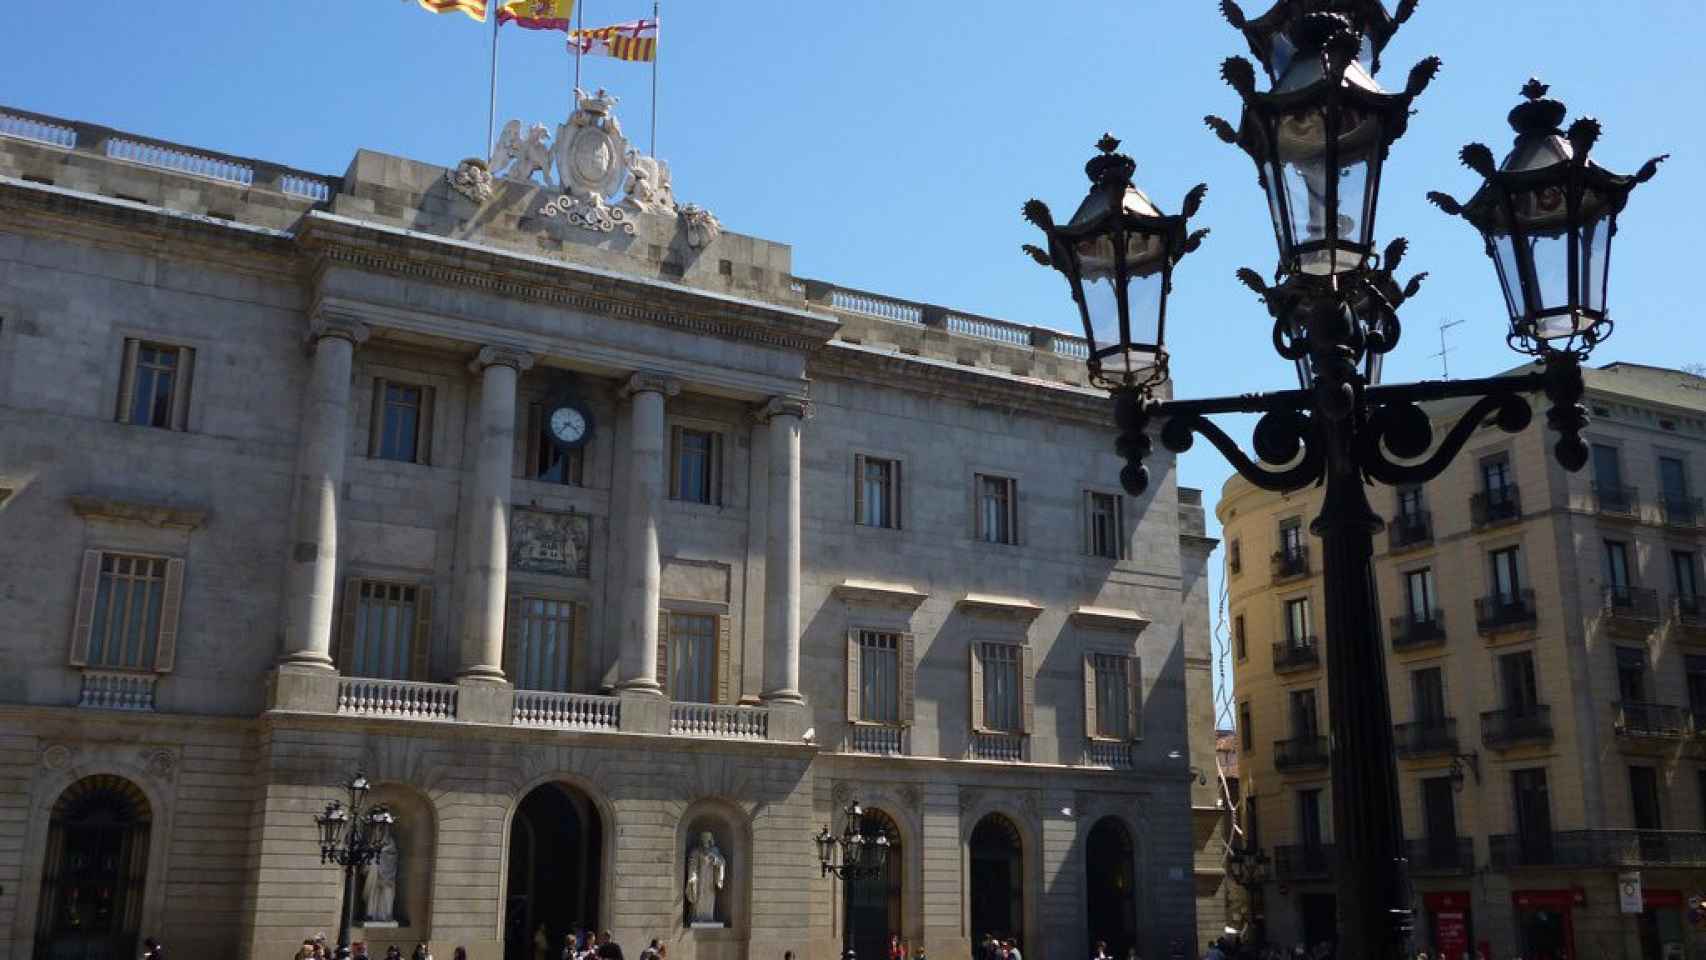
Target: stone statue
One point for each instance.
(379, 885)
(649, 189)
(515, 158)
(471, 179)
(706, 870)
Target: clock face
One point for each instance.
(568, 425)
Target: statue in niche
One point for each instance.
(706, 872)
(379, 885)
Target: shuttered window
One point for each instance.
(386, 626)
(1001, 691)
(997, 509)
(696, 466)
(1111, 697)
(1103, 524)
(544, 640)
(127, 612)
(693, 657)
(879, 677)
(876, 492)
(154, 385)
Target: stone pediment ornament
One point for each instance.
(1109, 618)
(1004, 608)
(592, 162)
(875, 593)
(472, 179)
(138, 512)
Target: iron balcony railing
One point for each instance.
(1496, 505)
(1291, 562)
(1304, 861)
(1624, 602)
(1409, 529)
(1423, 738)
(1597, 848)
(1501, 611)
(1291, 656)
(1441, 856)
(1410, 632)
(1616, 501)
(1689, 610)
(1301, 753)
(1683, 511)
(1636, 719)
(1506, 728)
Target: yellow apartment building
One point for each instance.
(1546, 638)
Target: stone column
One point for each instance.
(485, 575)
(638, 659)
(782, 553)
(311, 575)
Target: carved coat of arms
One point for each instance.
(553, 543)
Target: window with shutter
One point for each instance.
(543, 641)
(663, 664)
(693, 657)
(386, 630)
(876, 492)
(996, 503)
(154, 385)
(1005, 673)
(127, 612)
(401, 429)
(696, 474)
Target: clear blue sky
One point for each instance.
(892, 143)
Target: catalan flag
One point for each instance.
(537, 14)
(473, 8)
(635, 41)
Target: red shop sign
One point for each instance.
(1451, 900)
(1661, 899)
(1547, 899)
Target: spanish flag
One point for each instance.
(636, 40)
(473, 8)
(537, 14)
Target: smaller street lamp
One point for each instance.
(1461, 761)
(1548, 214)
(352, 836)
(1247, 868)
(861, 857)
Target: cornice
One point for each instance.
(332, 240)
(961, 383)
(1108, 618)
(126, 511)
(1004, 608)
(873, 593)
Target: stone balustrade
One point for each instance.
(406, 699)
(566, 711)
(719, 720)
(879, 739)
(1005, 747)
(117, 690)
(1115, 755)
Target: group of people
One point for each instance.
(586, 945)
(315, 948)
(995, 948)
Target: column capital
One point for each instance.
(783, 406)
(500, 356)
(326, 323)
(651, 381)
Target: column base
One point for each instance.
(789, 720)
(481, 699)
(309, 688)
(644, 710)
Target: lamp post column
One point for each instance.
(1368, 828)
(485, 576)
(311, 573)
(782, 552)
(638, 659)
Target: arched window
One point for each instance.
(92, 876)
(556, 870)
(997, 880)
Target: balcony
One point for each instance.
(402, 699)
(1505, 611)
(720, 721)
(1631, 610)
(1444, 857)
(566, 711)
(1502, 729)
(1305, 861)
(1293, 656)
(1653, 721)
(1617, 502)
(1684, 512)
(1491, 508)
(877, 739)
(1002, 747)
(1410, 530)
(1597, 848)
(1409, 633)
(1112, 754)
(1301, 753)
(1425, 738)
(1688, 617)
(1290, 563)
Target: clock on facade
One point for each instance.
(568, 424)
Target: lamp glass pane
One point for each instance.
(1300, 142)
(1510, 275)
(1596, 246)
(1276, 206)
(1101, 305)
(1146, 261)
(1551, 253)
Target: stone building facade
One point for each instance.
(1547, 672)
(278, 503)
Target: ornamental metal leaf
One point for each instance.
(1233, 14)
(1650, 167)
(1446, 202)
(1583, 134)
(1478, 158)
(1253, 280)
(1421, 75)
(1221, 129)
(1414, 284)
(1394, 254)
(1037, 254)
(1239, 75)
(1193, 201)
(1037, 212)
(1406, 9)
(1195, 240)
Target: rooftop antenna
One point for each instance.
(1444, 363)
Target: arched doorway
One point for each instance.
(556, 870)
(1110, 891)
(872, 906)
(92, 876)
(997, 880)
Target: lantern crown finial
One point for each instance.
(1538, 113)
(1109, 167)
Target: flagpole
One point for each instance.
(492, 107)
(657, 51)
(580, 41)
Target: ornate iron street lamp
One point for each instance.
(1319, 139)
(352, 836)
(853, 856)
(1247, 868)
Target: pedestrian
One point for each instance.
(421, 952)
(1217, 950)
(393, 952)
(1013, 951)
(651, 951)
(896, 951)
(608, 949)
(460, 954)
(1101, 951)
(152, 950)
(359, 950)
